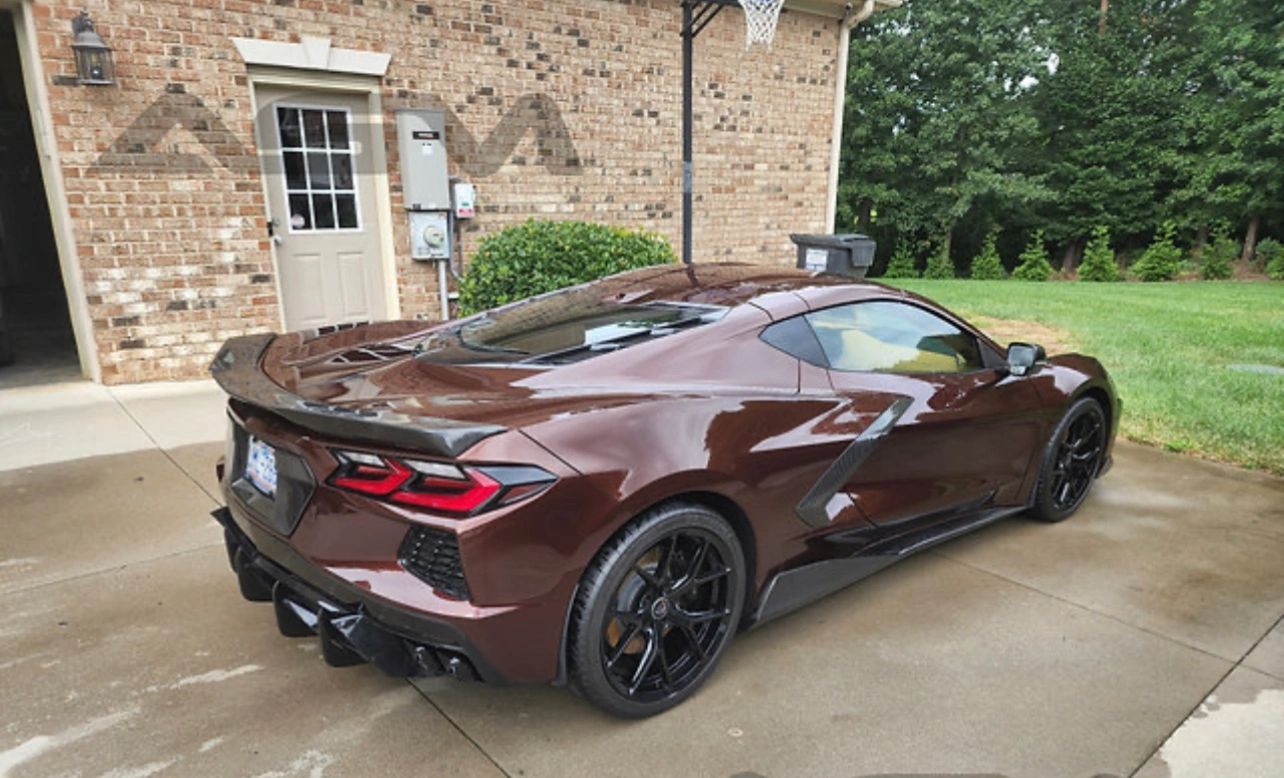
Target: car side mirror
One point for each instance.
(1024, 357)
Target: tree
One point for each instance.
(902, 263)
(1033, 264)
(1099, 259)
(939, 265)
(1269, 252)
(1217, 257)
(1108, 118)
(1162, 260)
(988, 266)
(1244, 92)
(934, 113)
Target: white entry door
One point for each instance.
(316, 156)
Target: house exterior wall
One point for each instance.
(554, 110)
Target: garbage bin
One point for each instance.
(844, 255)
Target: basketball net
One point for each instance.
(760, 20)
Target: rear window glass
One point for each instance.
(561, 328)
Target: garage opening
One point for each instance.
(37, 344)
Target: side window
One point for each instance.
(893, 337)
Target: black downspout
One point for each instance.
(688, 53)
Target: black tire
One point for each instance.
(633, 604)
(1071, 461)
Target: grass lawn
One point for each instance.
(1167, 347)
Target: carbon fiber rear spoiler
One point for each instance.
(236, 369)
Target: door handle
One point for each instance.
(272, 225)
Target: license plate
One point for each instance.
(260, 467)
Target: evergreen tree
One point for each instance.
(1033, 265)
(1218, 256)
(939, 265)
(1099, 259)
(1108, 116)
(934, 113)
(988, 266)
(1162, 260)
(902, 263)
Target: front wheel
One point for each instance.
(1071, 461)
(656, 609)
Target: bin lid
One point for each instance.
(845, 241)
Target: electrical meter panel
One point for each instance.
(421, 141)
(465, 200)
(430, 235)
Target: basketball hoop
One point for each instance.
(760, 20)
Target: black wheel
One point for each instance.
(656, 609)
(1071, 461)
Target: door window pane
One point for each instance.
(318, 171)
(323, 211)
(300, 213)
(314, 129)
(319, 166)
(893, 337)
(347, 207)
(291, 134)
(337, 122)
(342, 164)
(294, 176)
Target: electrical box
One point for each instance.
(465, 200)
(430, 235)
(421, 142)
(844, 255)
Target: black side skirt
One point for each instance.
(792, 589)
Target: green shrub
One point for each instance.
(541, 256)
(1270, 254)
(1162, 260)
(1098, 258)
(1033, 264)
(902, 264)
(1218, 255)
(988, 266)
(939, 265)
(1275, 268)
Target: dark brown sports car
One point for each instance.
(600, 486)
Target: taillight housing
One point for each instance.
(437, 487)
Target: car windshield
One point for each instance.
(561, 328)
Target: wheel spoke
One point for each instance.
(664, 666)
(625, 639)
(664, 570)
(680, 616)
(711, 577)
(1063, 496)
(689, 579)
(645, 663)
(648, 578)
(690, 635)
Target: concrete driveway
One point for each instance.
(1141, 637)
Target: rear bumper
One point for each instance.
(352, 626)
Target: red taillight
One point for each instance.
(443, 494)
(378, 480)
(436, 486)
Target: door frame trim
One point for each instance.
(371, 87)
(33, 79)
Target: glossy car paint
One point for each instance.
(713, 414)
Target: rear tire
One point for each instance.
(1071, 461)
(656, 609)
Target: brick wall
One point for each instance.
(555, 110)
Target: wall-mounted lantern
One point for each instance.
(93, 56)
